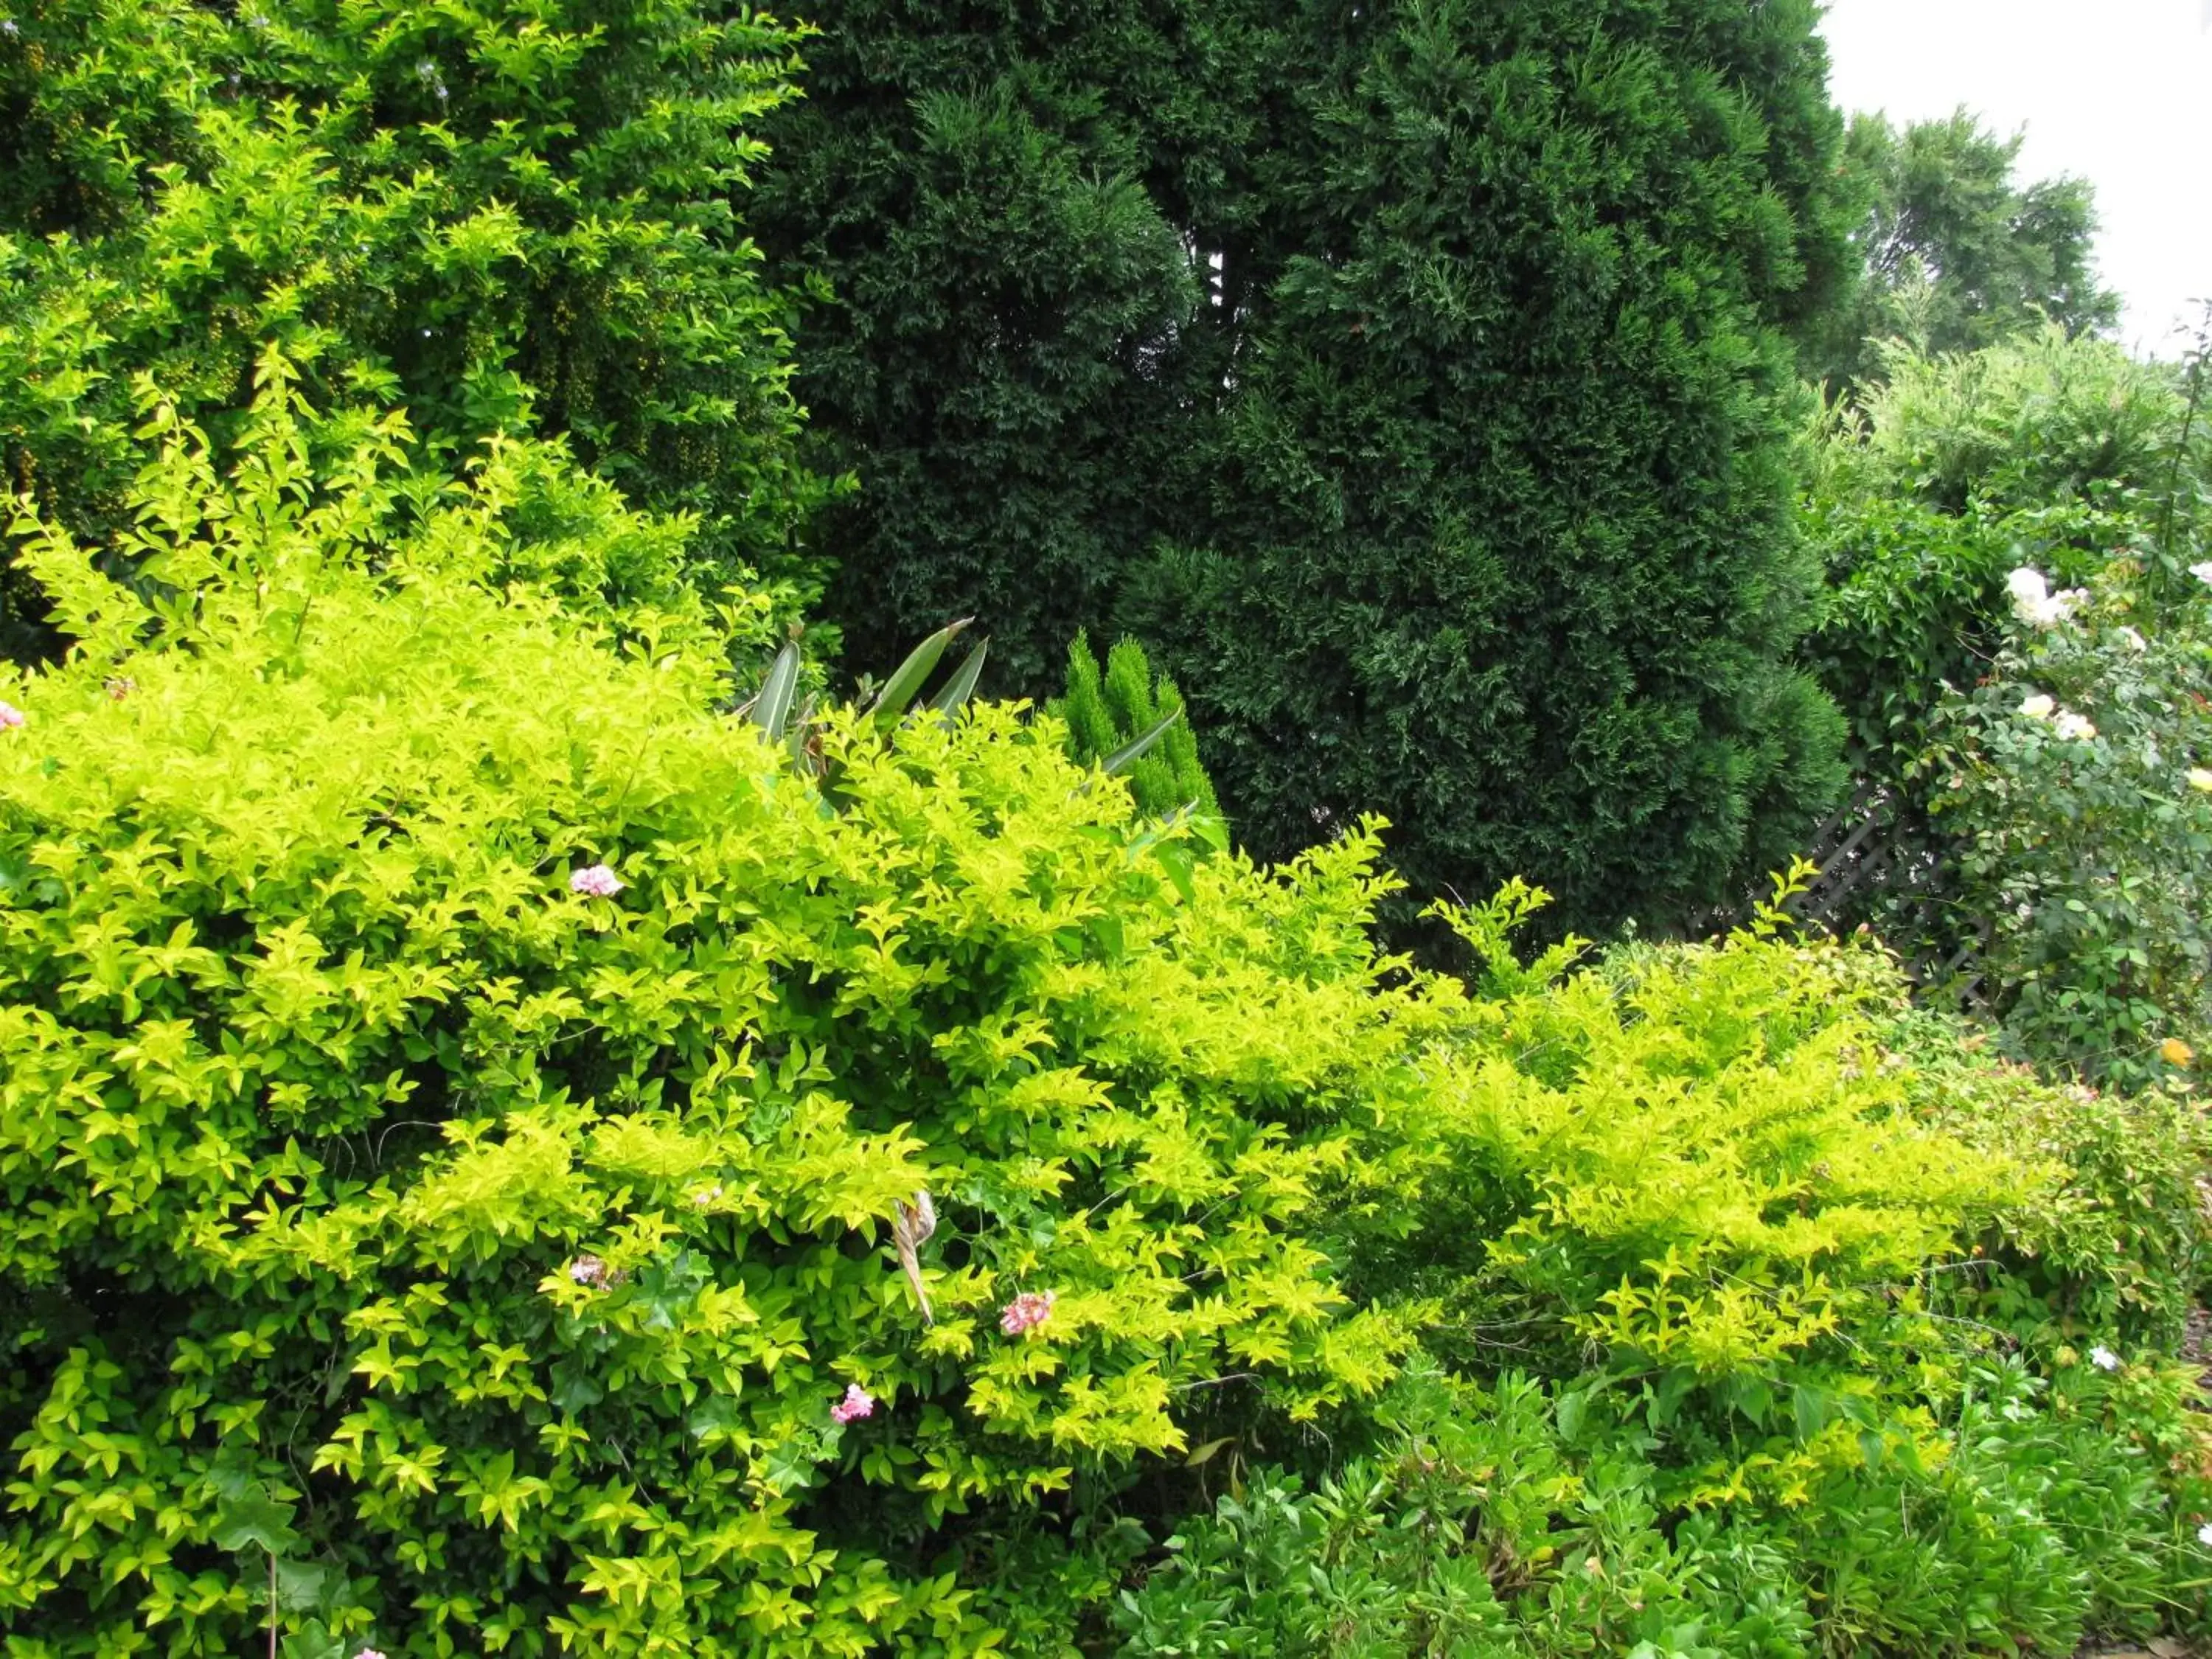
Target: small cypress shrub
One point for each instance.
(1109, 711)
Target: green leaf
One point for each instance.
(718, 1417)
(1666, 1400)
(772, 707)
(962, 686)
(305, 1586)
(254, 1521)
(1754, 1396)
(316, 1640)
(575, 1390)
(1572, 1410)
(1138, 747)
(908, 680)
(1811, 1407)
(789, 1467)
(1176, 859)
(1205, 1453)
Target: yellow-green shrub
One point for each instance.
(2120, 1249)
(1688, 1176)
(468, 1263)
(461, 1261)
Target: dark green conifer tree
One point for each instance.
(1496, 534)
(516, 214)
(995, 195)
(1412, 377)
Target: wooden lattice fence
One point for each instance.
(1876, 864)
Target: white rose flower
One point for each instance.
(2202, 571)
(2035, 602)
(2104, 1358)
(2199, 778)
(2038, 707)
(2073, 728)
(2027, 586)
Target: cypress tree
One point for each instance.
(511, 215)
(1496, 533)
(1106, 709)
(1413, 377)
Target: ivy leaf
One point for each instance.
(573, 1389)
(789, 1467)
(302, 1586)
(314, 1640)
(255, 1521)
(669, 1291)
(715, 1418)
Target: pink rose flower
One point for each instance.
(855, 1405)
(595, 881)
(11, 717)
(1026, 1312)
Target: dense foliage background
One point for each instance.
(542, 1112)
(508, 217)
(1955, 250)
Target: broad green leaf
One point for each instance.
(1140, 745)
(772, 707)
(962, 686)
(302, 1586)
(907, 681)
(255, 1521)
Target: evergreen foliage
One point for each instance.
(509, 216)
(516, 1136)
(1496, 539)
(1108, 711)
(1409, 379)
(988, 193)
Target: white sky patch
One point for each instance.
(2117, 92)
